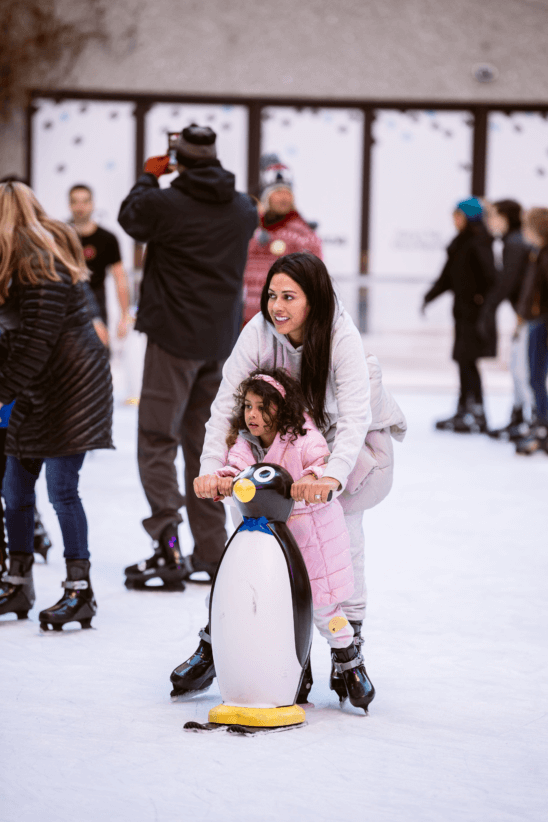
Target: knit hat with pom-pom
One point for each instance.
(273, 175)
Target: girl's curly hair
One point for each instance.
(287, 413)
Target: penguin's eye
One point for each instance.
(264, 474)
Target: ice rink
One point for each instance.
(455, 645)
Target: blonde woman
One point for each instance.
(56, 369)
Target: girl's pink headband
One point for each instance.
(271, 381)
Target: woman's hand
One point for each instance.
(207, 486)
(313, 491)
(224, 486)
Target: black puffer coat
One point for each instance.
(470, 274)
(57, 370)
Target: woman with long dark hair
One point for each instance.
(54, 366)
(304, 329)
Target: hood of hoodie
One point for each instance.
(210, 183)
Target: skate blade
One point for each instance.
(184, 696)
(155, 589)
(200, 578)
(47, 629)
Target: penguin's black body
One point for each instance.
(261, 603)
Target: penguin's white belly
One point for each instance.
(252, 628)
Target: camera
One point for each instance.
(172, 139)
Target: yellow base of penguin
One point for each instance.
(257, 717)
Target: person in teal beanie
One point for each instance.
(470, 274)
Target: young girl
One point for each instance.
(270, 425)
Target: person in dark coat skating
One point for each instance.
(470, 274)
(190, 308)
(511, 253)
(54, 366)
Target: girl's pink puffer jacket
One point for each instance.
(319, 530)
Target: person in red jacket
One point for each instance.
(282, 230)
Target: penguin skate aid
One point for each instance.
(270, 425)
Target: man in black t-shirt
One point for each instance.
(101, 252)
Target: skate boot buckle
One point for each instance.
(14, 580)
(347, 666)
(75, 585)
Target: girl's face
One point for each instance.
(288, 307)
(255, 421)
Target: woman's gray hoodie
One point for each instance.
(356, 401)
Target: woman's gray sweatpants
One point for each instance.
(374, 489)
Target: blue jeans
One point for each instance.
(538, 366)
(62, 481)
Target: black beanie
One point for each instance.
(196, 143)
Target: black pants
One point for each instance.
(175, 405)
(470, 382)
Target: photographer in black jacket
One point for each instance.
(197, 233)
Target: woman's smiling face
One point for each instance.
(288, 307)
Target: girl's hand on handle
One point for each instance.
(207, 486)
(313, 491)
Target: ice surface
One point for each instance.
(455, 644)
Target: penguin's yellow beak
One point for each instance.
(244, 490)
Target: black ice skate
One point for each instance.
(536, 441)
(166, 564)
(472, 421)
(42, 542)
(336, 681)
(348, 662)
(77, 603)
(17, 588)
(516, 429)
(198, 672)
(450, 423)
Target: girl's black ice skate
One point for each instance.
(166, 564)
(198, 672)
(336, 681)
(42, 542)
(16, 587)
(349, 664)
(77, 603)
